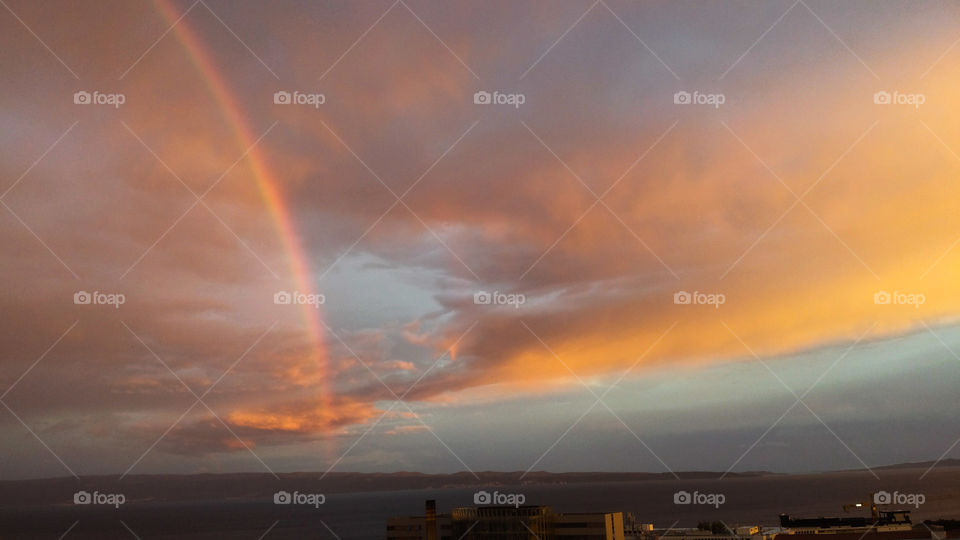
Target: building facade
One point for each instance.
(506, 523)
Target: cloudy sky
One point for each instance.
(502, 284)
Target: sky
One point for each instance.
(680, 236)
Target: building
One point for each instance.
(881, 525)
(589, 526)
(427, 527)
(503, 522)
(893, 520)
(507, 523)
(415, 528)
(646, 531)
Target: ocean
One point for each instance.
(348, 516)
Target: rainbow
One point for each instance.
(266, 181)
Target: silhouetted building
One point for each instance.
(426, 527)
(506, 523)
(883, 518)
(430, 525)
(881, 525)
(590, 526)
(747, 532)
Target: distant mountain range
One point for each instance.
(170, 487)
(921, 464)
(185, 487)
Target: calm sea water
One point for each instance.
(363, 515)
